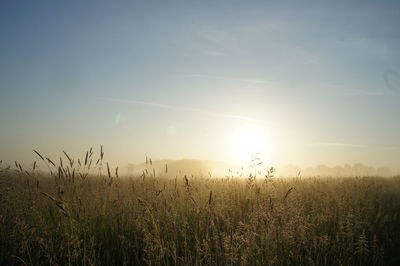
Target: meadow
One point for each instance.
(84, 213)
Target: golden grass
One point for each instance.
(75, 215)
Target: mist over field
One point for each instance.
(220, 169)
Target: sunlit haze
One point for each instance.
(300, 82)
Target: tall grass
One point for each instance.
(76, 215)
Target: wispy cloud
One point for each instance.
(376, 93)
(213, 52)
(212, 41)
(391, 148)
(392, 80)
(354, 145)
(244, 80)
(179, 108)
(351, 90)
(336, 144)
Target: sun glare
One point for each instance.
(248, 140)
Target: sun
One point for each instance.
(247, 140)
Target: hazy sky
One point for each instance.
(307, 82)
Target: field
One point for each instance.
(78, 214)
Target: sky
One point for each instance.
(301, 82)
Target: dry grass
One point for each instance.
(77, 216)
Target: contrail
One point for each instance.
(179, 108)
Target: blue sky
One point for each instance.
(176, 79)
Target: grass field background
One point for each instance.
(79, 214)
